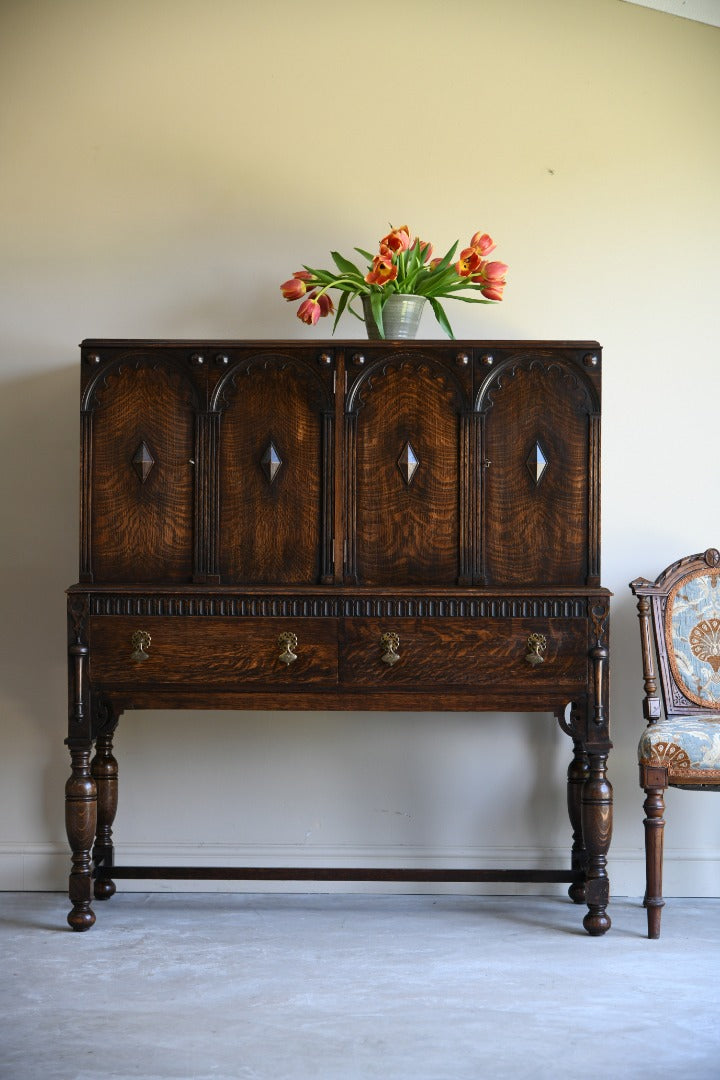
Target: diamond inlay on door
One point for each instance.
(142, 462)
(407, 463)
(537, 462)
(271, 462)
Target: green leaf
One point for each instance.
(472, 299)
(447, 258)
(352, 311)
(340, 308)
(365, 254)
(325, 277)
(344, 265)
(441, 316)
(376, 303)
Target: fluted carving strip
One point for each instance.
(346, 606)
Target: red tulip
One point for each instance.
(293, 289)
(495, 270)
(425, 250)
(491, 278)
(325, 303)
(304, 275)
(482, 243)
(309, 311)
(493, 291)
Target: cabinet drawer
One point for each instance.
(464, 653)
(219, 652)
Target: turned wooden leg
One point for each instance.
(596, 814)
(578, 771)
(654, 807)
(104, 769)
(80, 822)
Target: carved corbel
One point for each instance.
(599, 614)
(79, 721)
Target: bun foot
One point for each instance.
(81, 918)
(596, 923)
(576, 892)
(104, 889)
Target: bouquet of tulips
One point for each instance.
(402, 265)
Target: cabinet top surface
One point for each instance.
(337, 343)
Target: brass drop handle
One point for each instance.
(140, 644)
(389, 644)
(286, 643)
(536, 645)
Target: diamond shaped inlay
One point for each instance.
(407, 463)
(271, 462)
(142, 462)
(537, 462)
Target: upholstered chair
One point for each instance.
(680, 616)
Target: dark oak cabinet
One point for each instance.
(343, 525)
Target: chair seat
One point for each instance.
(687, 746)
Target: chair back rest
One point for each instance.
(684, 602)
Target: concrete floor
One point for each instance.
(314, 987)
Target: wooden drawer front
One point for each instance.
(212, 652)
(464, 652)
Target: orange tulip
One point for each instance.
(397, 240)
(383, 270)
(468, 262)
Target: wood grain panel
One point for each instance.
(407, 532)
(271, 532)
(536, 533)
(142, 531)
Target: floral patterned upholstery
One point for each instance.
(692, 633)
(688, 746)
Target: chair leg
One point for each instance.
(654, 807)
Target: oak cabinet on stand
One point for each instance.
(343, 525)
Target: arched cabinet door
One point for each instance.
(275, 454)
(539, 455)
(139, 472)
(407, 446)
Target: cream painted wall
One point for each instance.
(165, 164)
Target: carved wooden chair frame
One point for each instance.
(663, 754)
